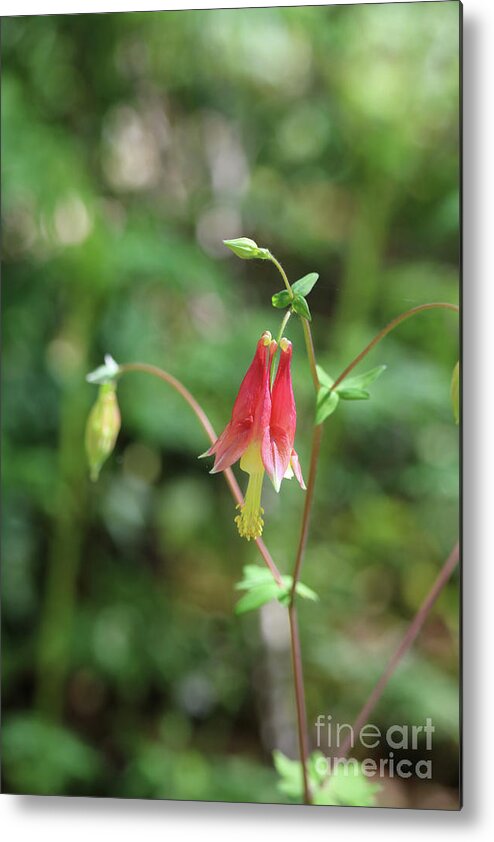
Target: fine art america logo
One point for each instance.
(337, 739)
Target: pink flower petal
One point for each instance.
(232, 443)
(251, 410)
(276, 450)
(297, 470)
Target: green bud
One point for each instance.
(455, 392)
(102, 428)
(247, 249)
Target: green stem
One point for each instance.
(55, 634)
(286, 319)
(233, 485)
(309, 345)
(282, 273)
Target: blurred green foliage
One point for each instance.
(133, 144)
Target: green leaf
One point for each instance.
(347, 786)
(247, 249)
(259, 581)
(46, 759)
(324, 377)
(290, 772)
(302, 590)
(305, 284)
(353, 394)
(326, 404)
(300, 306)
(361, 381)
(257, 596)
(455, 392)
(254, 575)
(305, 592)
(281, 299)
(341, 783)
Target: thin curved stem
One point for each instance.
(443, 305)
(172, 381)
(282, 273)
(405, 644)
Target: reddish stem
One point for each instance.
(443, 305)
(405, 644)
(309, 496)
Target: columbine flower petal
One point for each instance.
(250, 413)
(278, 439)
(297, 470)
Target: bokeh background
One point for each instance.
(132, 145)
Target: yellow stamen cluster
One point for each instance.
(249, 524)
(249, 521)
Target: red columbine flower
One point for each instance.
(279, 456)
(261, 432)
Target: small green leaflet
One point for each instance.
(300, 306)
(253, 575)
(305, 284)
(304, 591)
(361, 381)
(455, 392)
(326, 404)
(300, 288)
(353, 394)
(345, 784)
(259, 595)
(350, 389)
(290, 771)
(262, 588)
(324, 378)
(281, 299)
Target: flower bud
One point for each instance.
(455, 392)
(247, 249)
(102, 428)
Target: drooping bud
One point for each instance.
(102, 428)
(455, 392)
